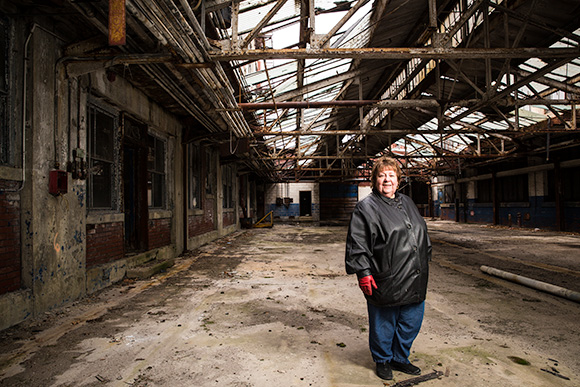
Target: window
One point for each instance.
(194, 176)
(513, 189)
(5, 134)
(570, 185)
(210, 175)
(484, 192)
(101, 187)
(156, 173)
(228, 191)
(449, 194)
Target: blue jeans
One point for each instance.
(393, 330)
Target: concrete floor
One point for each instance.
(267, 307)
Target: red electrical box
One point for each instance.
(57, 182)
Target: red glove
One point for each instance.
(367, 284)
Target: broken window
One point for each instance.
(156, 173)
(194, 176)
(101, 187)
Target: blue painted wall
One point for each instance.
(537, 214)
(293, 209)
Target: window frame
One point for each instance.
(194, 172)
(210, 172)
(113, 161)
(228, 201)
(513, 189)
(156, 172)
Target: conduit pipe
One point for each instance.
(535, 284)
(242, 126)
(186, 44)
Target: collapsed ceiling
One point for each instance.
(315, 89)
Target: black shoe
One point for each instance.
(384, 371)
(407, 368)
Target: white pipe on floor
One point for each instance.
(539, 285)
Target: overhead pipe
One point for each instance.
(396, 53)
(393, 104)
(241, 123)
(535, 284)
(185, 47)
(216, 81)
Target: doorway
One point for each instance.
(305, 203)
(135, 205)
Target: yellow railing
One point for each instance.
(266, 223)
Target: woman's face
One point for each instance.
(387, 182)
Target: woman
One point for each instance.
(388, 248)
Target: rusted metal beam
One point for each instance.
(396, 103)
(506, 92)
(552, 83)
(252, 35)
(392, 104)
(121, 58)
(117, 23)
(469, 129)
(298, 92)
(326, 38)
(395, 53)
(368, 157)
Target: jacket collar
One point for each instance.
(393, 202)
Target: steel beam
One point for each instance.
(396, 53)
(395, 103)
(262, 23)
(387, 104)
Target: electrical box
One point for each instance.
(57, 182)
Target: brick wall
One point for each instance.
(159, 233)
(104, 243)
(10, 266)
(203, 223)
(229, 218)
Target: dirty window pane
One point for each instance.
(449, 193)
(155, 190)
(513, 188)
(100, 184)
(101, 158)
(210, 175)
(570, 181)
(227, 182)
(194, 176)
(103, 132)
(484, 191)
(156, 173)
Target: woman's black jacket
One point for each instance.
(388, 239)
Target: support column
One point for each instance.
(560, 221)
(495, 198)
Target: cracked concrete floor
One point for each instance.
(266, 307)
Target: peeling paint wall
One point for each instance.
(291, 208)
(55, 248)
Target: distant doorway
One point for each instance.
(135, 204)
(305, 203)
